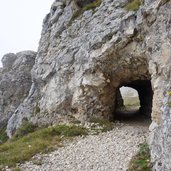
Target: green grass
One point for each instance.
(3, 135)
(18, 150)
(133, 5)
(141, 162)
(105, 124)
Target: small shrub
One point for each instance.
(133, 5)
(141, 161)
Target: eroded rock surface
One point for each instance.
(15, 82)
(83, 59)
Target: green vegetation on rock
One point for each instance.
(133, 5)
(141, 161)
(88, 6)
(3, 135)
(18, 150)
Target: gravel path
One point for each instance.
(110, 151)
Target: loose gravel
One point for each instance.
(110, 151)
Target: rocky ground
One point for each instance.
(110, 151)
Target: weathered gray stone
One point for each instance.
(15, 81)
(8, 60)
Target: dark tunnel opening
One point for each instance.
(145, 94)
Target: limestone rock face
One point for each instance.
(84, 57)
(15, 82)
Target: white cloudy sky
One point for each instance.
(21, 24)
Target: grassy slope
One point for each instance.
(18, 150)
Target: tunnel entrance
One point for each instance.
(130, 98)
(134, 106)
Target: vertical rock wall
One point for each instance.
(159, 54)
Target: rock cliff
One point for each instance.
(88, 50)
(15, 82)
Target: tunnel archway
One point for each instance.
(145, 94)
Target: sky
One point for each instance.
(21, 24)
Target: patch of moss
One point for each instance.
(169, 104)
(133, 5)
(169, 93)
(36, 109)
(88, 6)
(141, 161)
(92, 5)
(43, 140)
(139, 38)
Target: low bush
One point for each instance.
(141, 161)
